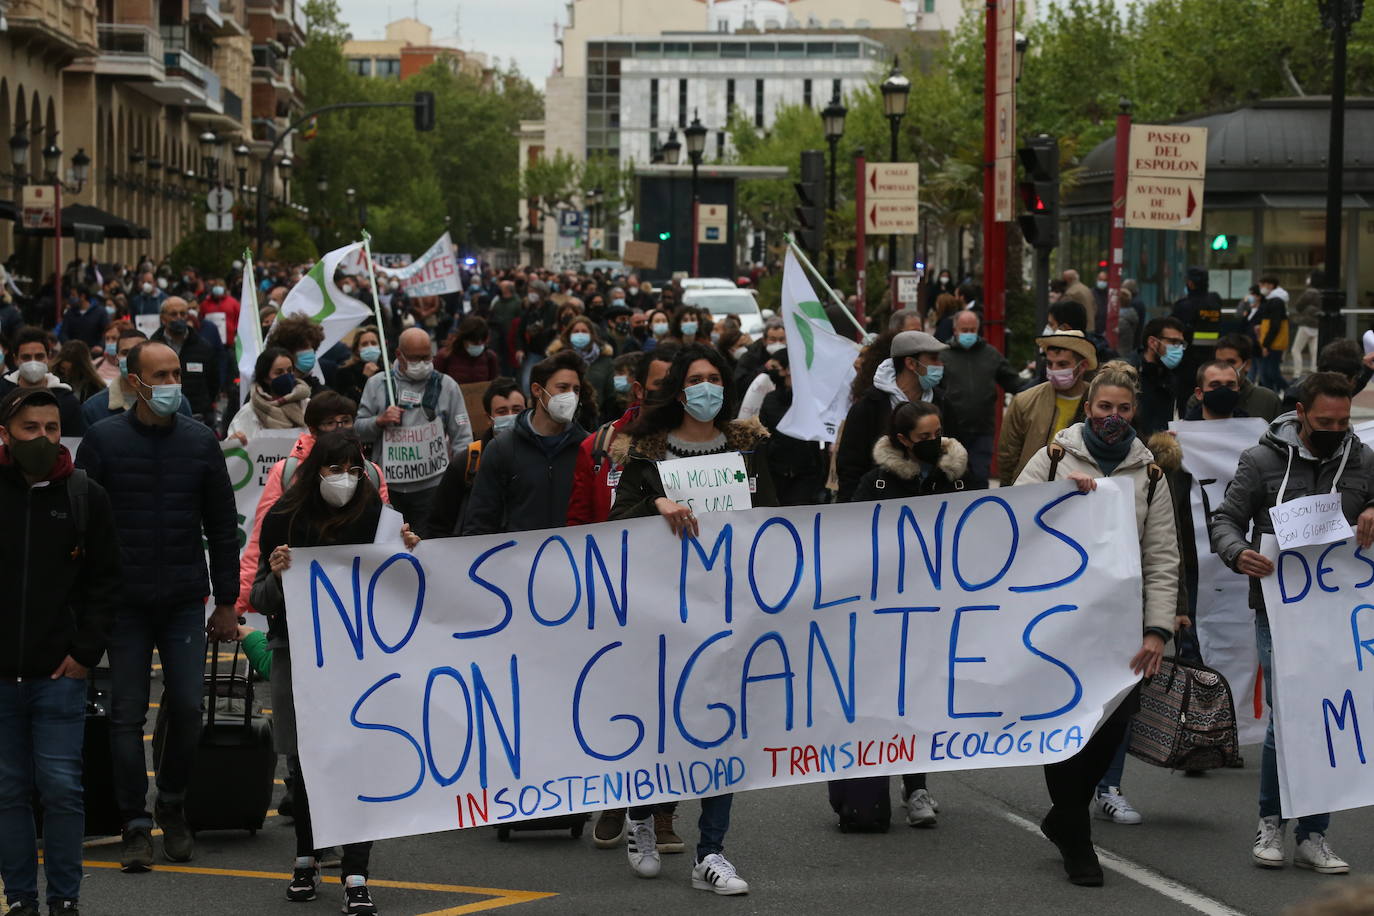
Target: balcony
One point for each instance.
(208, 13)
(233, 106)
(129, 51)
(44, 26)
(188, 82)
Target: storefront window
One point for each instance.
(1229, 252)
(1294, 243)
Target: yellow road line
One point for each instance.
(500, 897)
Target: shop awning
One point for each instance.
(80, 217)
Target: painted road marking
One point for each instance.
(1145, 876)
(498, 897)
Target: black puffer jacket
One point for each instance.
(168, 484)
(61, 594)
(895, 476)
(521, 486)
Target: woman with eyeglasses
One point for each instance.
(332, 500)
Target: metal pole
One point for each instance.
(1042, 288)
(860, 239)
(830, 253)
(696, 206)
(893, 123)
(1340, 16)
(1116, 256)
(57, 250)
(994, 233)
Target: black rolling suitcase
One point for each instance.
(864, 805)
(97, 764)
(231, 783)
(573, 823)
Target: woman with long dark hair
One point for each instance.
(331, 500)
(276, 399)
(689, 417)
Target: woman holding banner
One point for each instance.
(1105, 445)
(331, 500)
(689, 418)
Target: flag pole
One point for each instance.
(253, 288)
(806, 262)
(381, 324)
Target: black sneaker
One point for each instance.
(64, 908)
(304, 884)
(177, 841)
(24, 908)
(357, 901)
(136, 850)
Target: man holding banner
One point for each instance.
(417, 420)
(1304, 456)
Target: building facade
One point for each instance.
(136, 84)
(408, 48)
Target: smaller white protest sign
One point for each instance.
(411, 454)
(708, 483)
(1310, 521)
(148, 324)
(248, 467)
(434, 274)
(221, 323)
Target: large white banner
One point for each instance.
(248, 467)
(1225, 620)
(435, 274)
(492, 679)
(1322, 621)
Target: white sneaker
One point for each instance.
(920, 809)
(906, 797)
(642, 848)
(1313, 853)
(1113, 806)
(1268, 851)
(715, 873)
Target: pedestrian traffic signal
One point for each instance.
(1040, 192)
(664, 236)
(424, 110)
(811, 202)
(1223, 242)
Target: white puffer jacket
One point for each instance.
(1154, 518)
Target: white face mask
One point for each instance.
(147, 288)
(562, 407)
(1047, 332)
(338, 489)
(774, 347)
(346, 289)
(161, 282)
(418, 371)
(33, 371)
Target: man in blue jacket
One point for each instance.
(61, 566)
(168, 484)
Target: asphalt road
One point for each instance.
(1191, 855)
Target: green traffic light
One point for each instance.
(664, 236)
(1221, 243)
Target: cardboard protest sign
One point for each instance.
(492, 679)
(248, 467)
(1309, 521)
(708, 483)
(411, 454)
(1225, 622)
(1321, 615)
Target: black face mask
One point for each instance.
(1325, 442)
(35, 457)
(927, 450)
(282, 385)
(775, 376)
(1221, 401)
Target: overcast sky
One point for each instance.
(521, 30)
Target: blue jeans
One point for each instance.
(1270, 370)
(42, 723)
(1269, 761)
(712, 825)
(980, 450)
(179, 635)
(1117, 770)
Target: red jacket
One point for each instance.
(230, 307)
(592, 489)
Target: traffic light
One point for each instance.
(811, 202)
(665, 235)
(1223, 242)
(1040, 192)
(424, 110)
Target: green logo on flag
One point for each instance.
(816, 312)
(317, 274)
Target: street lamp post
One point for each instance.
(284, 166)
(52, 166)
(895, 90)
(833, 116)
(1338, 16)
(241, 153)
(696, 144)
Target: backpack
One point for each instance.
(288, 470)
(1154, 472)
(1186, 720)
(601, 444)
(79, 495)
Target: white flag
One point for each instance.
(248, 334)
(434, 274)
(821, 361)
(317, 296)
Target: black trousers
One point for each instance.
(356, 856)
(1072, 782)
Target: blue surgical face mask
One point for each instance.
(305, 360)
(370, 354)
(689, 329)
(704, 400)
(1173, 355)
(217, 291)
(932, 377)
(474, 350)
(501, 424)
(580, 339)
(165, 399)
(124, 367)
(967, 340)
(110, 349)
(660, 328)
(622, 383)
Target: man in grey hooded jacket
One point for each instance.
(1312, 450)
